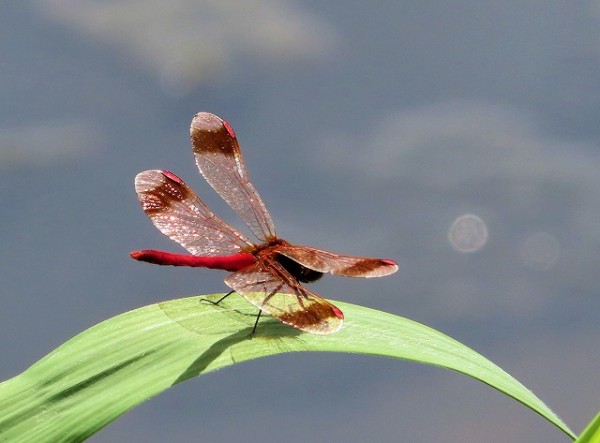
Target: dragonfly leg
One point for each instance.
(219, 300)
(227, 295)
(256, 323)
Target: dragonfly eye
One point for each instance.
(299, 272)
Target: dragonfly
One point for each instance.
(268, 273)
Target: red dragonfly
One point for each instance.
(267, 274)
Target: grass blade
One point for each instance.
(103, 372)
(591, 434)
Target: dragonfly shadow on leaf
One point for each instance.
(219, 327)
(197, 314)
(269, 329)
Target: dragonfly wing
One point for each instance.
(220, 161)
(179, 214)
(273, 290)
(337, 264)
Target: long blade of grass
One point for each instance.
(103, 372)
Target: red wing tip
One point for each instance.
(205, 121)
(389, 267)
(229, 129)
(338, 313)
(172, 176)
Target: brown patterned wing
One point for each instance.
(273, 290)
(336, 264)
(220, 161)
(179, 214)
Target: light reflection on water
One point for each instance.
(468, 233)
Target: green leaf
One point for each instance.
(103, 372)
(591, 434)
